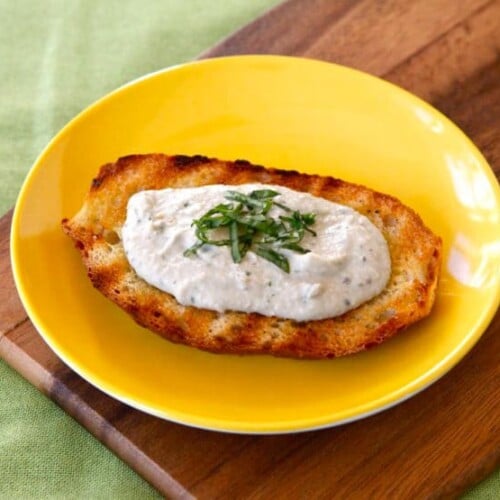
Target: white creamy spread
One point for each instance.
(348, 262)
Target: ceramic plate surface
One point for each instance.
(282, 112)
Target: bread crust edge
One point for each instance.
(403, 302)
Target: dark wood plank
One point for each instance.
(11, 309)
(434, 445)
(456, 56)
(371, 36)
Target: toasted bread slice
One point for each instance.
(415, 254)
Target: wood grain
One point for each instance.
(434, 445)
(11, 309)
(372, 36)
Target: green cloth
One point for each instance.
(56, 57)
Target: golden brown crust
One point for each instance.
(415, 255)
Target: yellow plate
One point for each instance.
(284, 112)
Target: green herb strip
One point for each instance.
(250, 228)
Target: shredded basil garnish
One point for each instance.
(251, 228)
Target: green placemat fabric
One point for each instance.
(56, 57)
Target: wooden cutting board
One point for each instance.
(434, 445)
